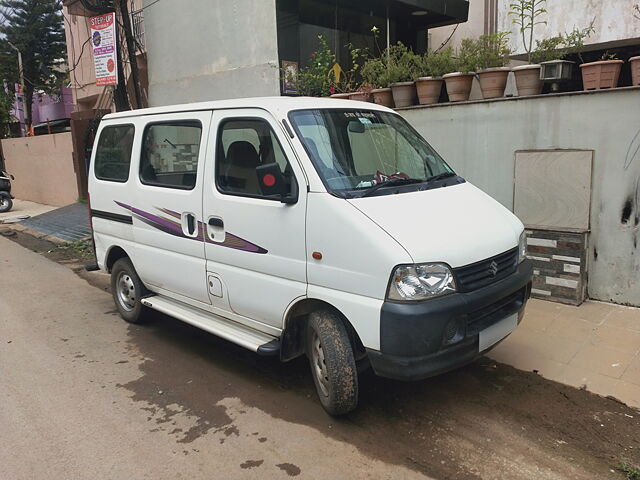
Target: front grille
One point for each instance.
(481, 274)
(487, 316)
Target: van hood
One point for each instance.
(457, 225)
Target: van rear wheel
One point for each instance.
(333, 365)
(127, 290)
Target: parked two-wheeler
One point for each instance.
(6, 200)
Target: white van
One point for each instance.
(295, 226)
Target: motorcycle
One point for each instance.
(6, 199)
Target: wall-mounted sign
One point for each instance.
(289, 77)
(103, 41)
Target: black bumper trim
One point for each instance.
(412, 335)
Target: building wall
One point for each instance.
(614, 22)
(482, 19)
(479, 140)
(43, 168)
(224, 50)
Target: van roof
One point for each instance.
(271, 104)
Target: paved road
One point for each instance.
(84, 395)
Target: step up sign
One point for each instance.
(103, 41)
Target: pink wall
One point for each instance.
(43, 168)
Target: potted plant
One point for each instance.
(605, 73)
(402, 68)
(374, 73)
(492, 56)
(459, 83)
(526, 14)
(432, 66)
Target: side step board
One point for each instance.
(246, 337)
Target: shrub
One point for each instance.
(437, 64)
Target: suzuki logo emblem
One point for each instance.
(493, 269)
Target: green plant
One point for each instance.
(493, 50)
(438, 63)
(547, 50)
(608, 56)
(574, 41)
(468, 56)
(560, 46)
(632, 472)
(314, 80)
(395, 64)
(526, 14)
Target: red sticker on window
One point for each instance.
(269, 180)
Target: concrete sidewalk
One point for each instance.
(595, 346)
(24, 208)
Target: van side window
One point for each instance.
(113, 155)
(169, 155)
(244, 145)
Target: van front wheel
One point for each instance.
(127, 290)
(332, 362)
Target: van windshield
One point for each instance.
(357, 152)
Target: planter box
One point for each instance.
(429, 89)
(383, 96)
(404, 94)
(459, 85)
(493, 81)
(528, 80)
(635, 70)
(603, 74)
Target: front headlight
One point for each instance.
(420, 282)
(522, 248)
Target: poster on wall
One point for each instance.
(103, 40)
(289, 77)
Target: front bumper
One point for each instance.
(414, 336)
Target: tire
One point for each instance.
(333, 366)
(127, 290)
(6, 203)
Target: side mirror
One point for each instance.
(12, 177)
(273, 184)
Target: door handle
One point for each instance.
(191, 224)
(216, 222)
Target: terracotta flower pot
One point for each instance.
(493, 81)
(459, 85)
(635, 70)
(360, 96)
(528, 80)
(603, 74)
(404, 94)
(344, 96)
(429, 89)
(383, 96)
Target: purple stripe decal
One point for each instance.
(173, 228)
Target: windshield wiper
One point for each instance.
(393, 182)
(441, 176)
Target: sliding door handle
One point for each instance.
(216, 222)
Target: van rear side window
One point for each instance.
(170, 154)
(113, 156)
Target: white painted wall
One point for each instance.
(208, 50)
(614, 22)
(480, 139)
